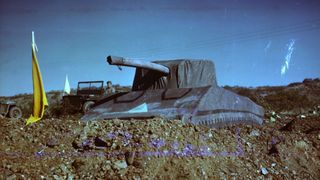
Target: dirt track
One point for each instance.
(66, 148)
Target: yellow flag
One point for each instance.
(39, 95)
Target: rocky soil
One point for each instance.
(286, 146)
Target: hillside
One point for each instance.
(60, 146)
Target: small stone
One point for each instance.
(108, 162)
(272, 119)
(196, 129)
(249, 144)
(107, 167)
(70, 177)
(273, 164)
(76, 144)
(130, 157)
(52, 142)
(114, 145)
(264, 171)
(120, 164)
(56, 177)
(302, 116)
(78, 164)
(203, 172)
(100, 142)
(64, 168)
(302, 145)
(254, 133)
(13, 176)
(138, 164)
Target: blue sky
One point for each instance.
(247, 39)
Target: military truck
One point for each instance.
(88, 92)
(10, 109)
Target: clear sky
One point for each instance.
(250, 41)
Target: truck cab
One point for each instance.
(88, 92)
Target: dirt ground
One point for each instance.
(286, 146)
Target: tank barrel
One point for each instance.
(120, 61)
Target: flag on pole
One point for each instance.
(39, 95)
(66, 86)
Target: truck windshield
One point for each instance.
(90, 86)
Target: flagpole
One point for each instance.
(34, 45)
(40, 101)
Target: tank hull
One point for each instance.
(210, 106)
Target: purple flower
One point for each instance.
(111, 135)
(188, 150)
(175, 145)
(203, 138)
(39, 154)
(127, 135)
(205, 151)
(224, 153)
(274, 140)
(86, 142)
(137, 145)
(239, 152)
(157, 143)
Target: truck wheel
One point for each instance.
(15, 112)
(87, 106)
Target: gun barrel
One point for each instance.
(120, 61)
